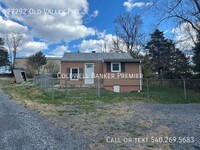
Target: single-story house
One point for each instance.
(118, 72)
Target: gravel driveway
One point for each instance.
(103, 126)
(183, 121)
(117, 125)
(22, 129)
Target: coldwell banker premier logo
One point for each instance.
(102, 75)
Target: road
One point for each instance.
(23, 129)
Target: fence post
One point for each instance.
(147, 89)
(66, 95)
(99, 94)
(97, 87)
(40, 79)
(52, 96)
(184, 86)
(45, 83)
(34, 80)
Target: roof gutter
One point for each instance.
(123, 60)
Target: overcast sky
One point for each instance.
(58, 26)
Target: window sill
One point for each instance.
(74, 79)
(115, 71)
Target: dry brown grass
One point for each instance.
(93, 118)
(44, 109)
(113, 118)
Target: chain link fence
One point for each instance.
(165, 90)
(172, 90)
(63, 88)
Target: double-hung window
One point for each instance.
(74, 73)
(115, 67)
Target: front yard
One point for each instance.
(119, 121)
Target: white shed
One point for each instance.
(20, 75)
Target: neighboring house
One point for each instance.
(119, 72)
(21, 63)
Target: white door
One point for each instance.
(89, 71)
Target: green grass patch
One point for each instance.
(88, 108)
(166, 94)
(84, 96)
(6, 81)
(69, 112)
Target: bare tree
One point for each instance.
(13, 40)
(181, 11)
(103, 46)
(118, 46)
(128, 32)
(52, 67)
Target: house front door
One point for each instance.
(89, 71)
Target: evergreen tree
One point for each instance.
(4, 57)
(196, 57)
(36, 61)
(167, 60)
(179, 65)
(157, 47)
(146, 66)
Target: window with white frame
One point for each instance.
(74, 73)
(115, 67)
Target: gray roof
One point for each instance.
(102, 57)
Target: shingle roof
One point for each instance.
(94, 57)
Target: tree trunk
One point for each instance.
(14, 56)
